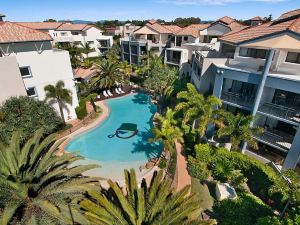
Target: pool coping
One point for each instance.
(103, 117)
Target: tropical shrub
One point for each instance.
(155, 204)
(81, 110)
(27, 115)
(269, 220)
(39, 187)
(198, 169)
(162, 163)
(245, 210)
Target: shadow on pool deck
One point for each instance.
(151, 150)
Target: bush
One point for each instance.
(80, 110)
(245, 210)
(27, 115)
(162, 163)
(222, 170)
(269, 220)
(262, 180)
(198, 169)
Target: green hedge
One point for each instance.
(245, 210)
(263, 181)
(81, 110)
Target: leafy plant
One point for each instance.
(81, 110)
(162, 163)
(222, 170)
(156, 204)
(27, 115)
(39, 187)
(198, 169)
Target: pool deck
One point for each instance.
(147, 174)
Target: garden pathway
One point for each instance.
(183, 177)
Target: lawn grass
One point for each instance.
(206, 201)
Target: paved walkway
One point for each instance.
(183, 177)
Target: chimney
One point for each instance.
(1, 17)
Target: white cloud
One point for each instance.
(213, 2)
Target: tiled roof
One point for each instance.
(74, 27)
(289, 14)
(158, 28)
(41, 25)
(262, 30)
(83, 73)
(230, 22)
(226, 19)
(257, 18)
(193, 30)
(13, 32)
(173, 28)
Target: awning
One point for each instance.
(145, 30)
(282, 41)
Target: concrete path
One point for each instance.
(183, 177)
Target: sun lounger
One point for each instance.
(120, 90)
(109, 93)
(117, 91)
(98, 96)
(105, 94)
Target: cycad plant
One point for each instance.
(107, 75)
(238, 129)
(194, 106)
(58, 94)
(167, 132)
(157, 204)
(39, 187)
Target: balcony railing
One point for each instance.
(173, 61)
(280, 111)
(237, 98)
(276, 139)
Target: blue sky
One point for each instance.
(37, 10)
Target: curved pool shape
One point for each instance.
(102, 146)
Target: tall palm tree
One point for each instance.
(58, 94)
(194, 106)
(167, 132)
(86, 49)
(39, 187)
(108, 74)
(238, 128)
(158, 204)
(74, 52)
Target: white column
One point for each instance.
(293, 155)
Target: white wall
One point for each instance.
(11, 83)
(49, 67)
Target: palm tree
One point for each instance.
(167, 132)
(74, 52)
(195, 106)
(36, 183)
(86, 49)
(59, 95)
(158, 204)
(108, 74)
(238, 128)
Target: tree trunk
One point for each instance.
(61, 111)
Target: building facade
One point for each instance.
(28, 63)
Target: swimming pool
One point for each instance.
(101, 146)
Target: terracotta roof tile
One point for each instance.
(83, 73)
(257, 18)
(73, 27)
(173, 28)
(193, 30)
(262, 30)
(154, 25)
(13, 32)
(289, 14)
(41, 25)
(226, 19)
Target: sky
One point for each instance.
(94, 10)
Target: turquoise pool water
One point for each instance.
(114, 154)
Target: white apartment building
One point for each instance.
(125, 30)
(256, 72)
(74, 33)
(28, 63)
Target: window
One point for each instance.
(75, 33)
(185, 38)
(293, 57)
(25, 71)
(63, 34)
(253, 53)
(31, 92)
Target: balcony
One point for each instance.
(238, 99)
(285, 113)
(276, 139)
(64, 39)
(173, 60)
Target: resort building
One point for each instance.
(198, 37)
(256, 72)
(154, 37)
(74, 33)
(126, 30)
(28, 63)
